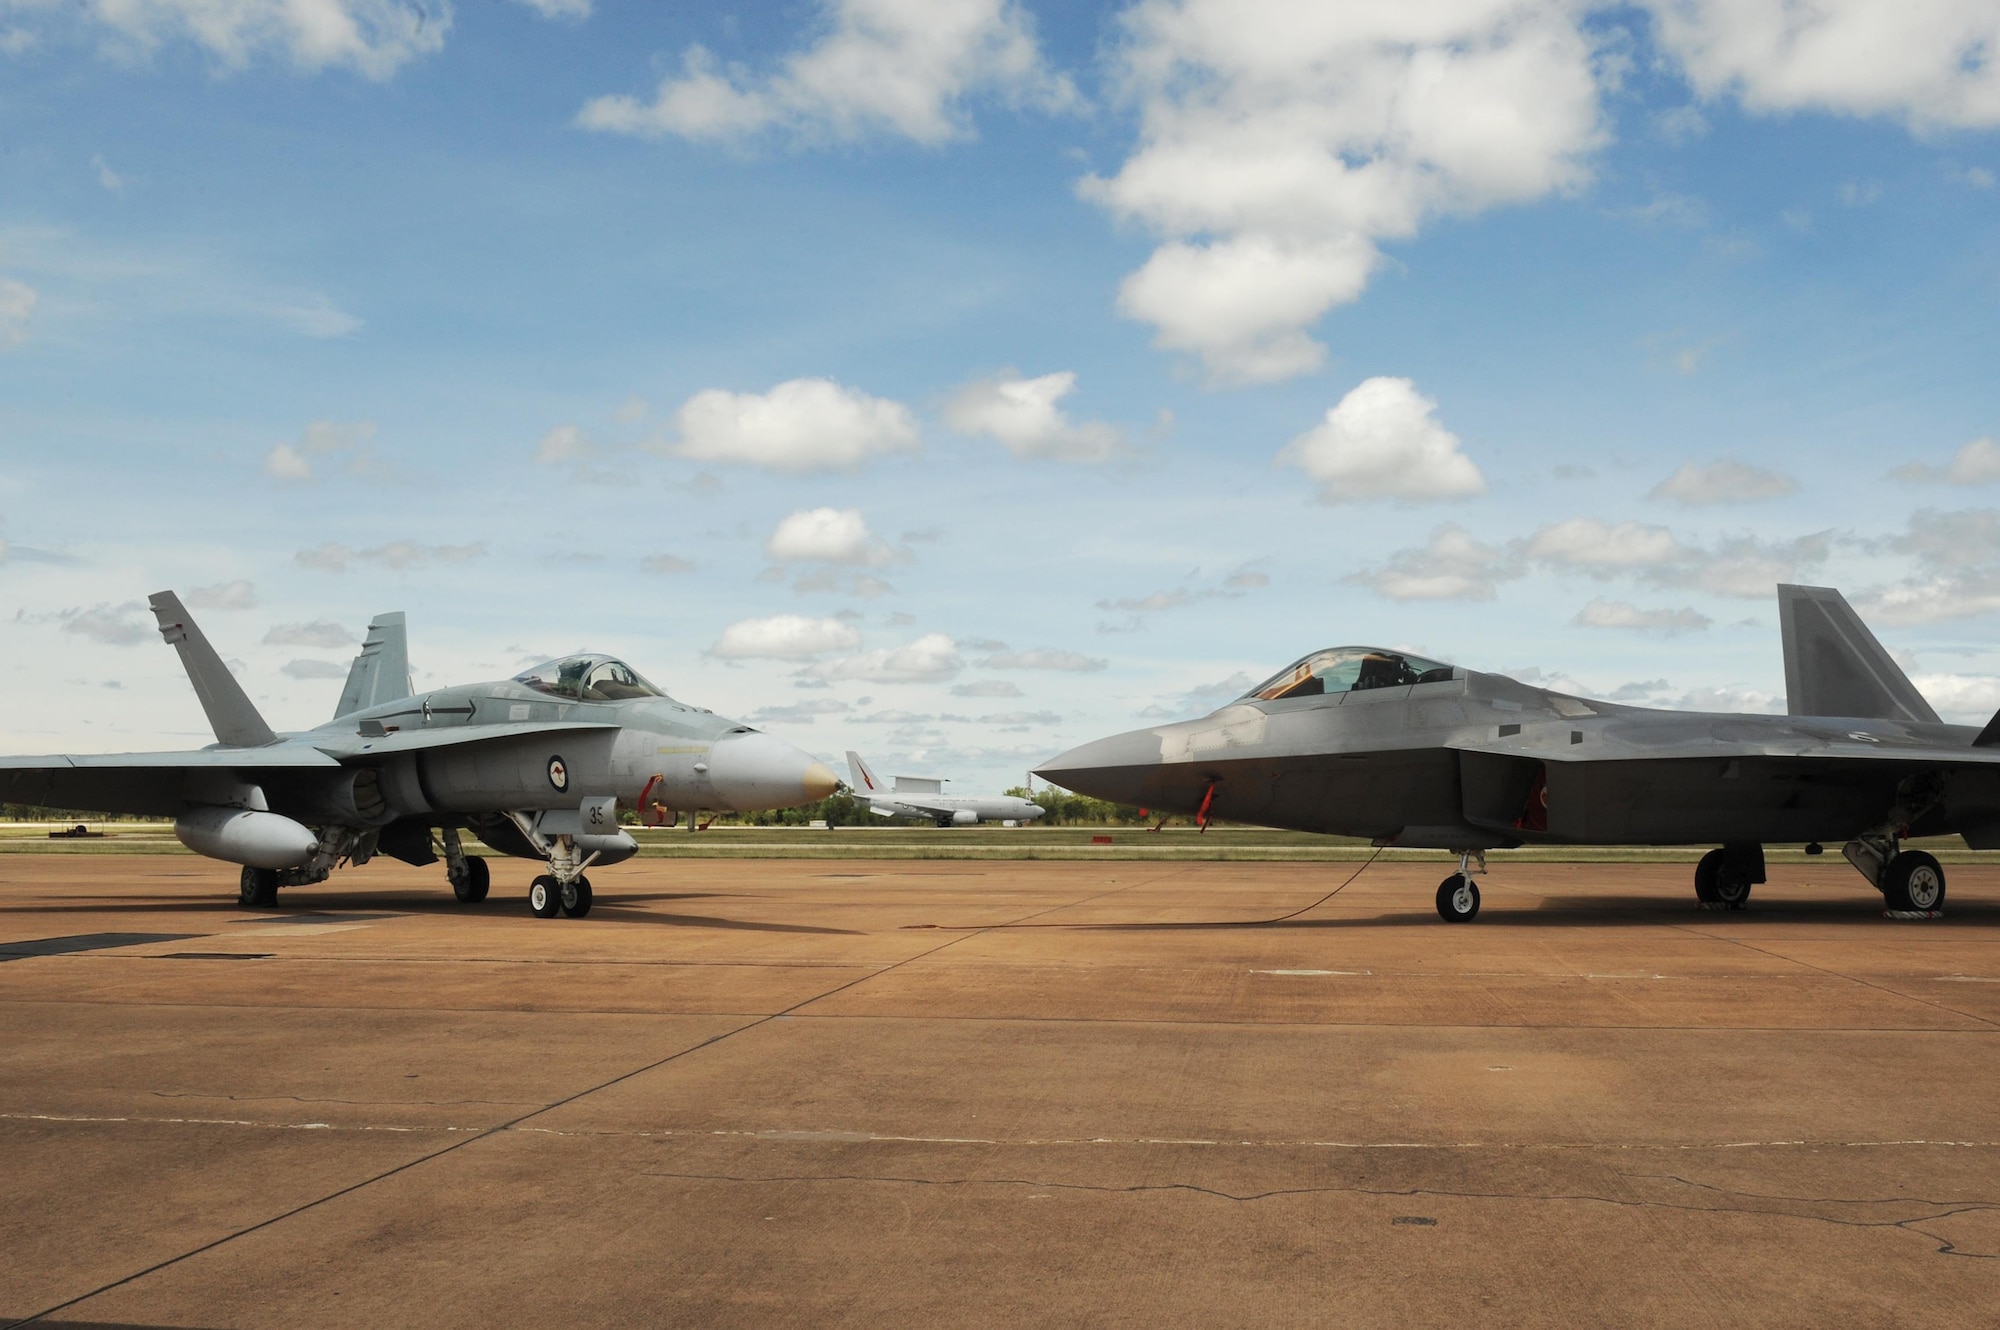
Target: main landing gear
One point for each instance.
(1458, 895)
(470, 878)
(1909, 880)
(258, 889)
(1724, 877)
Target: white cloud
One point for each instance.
(237, 595)
(1927, 62)
(562, 445)
(1383, 441)
(1623, 614)
(1746, 567)
(665, 564)
(1026, 416)
(1451, 566)
(371, 37)
(902, 67)
(1976, 463)
(109, 179)
(930, 659)
(1590, 545)
(322, 633)
(987, 688)
(313, 669)
(17, 307)
(1281, 143)
(800, 425)
(325, 439)
(800, 713)
(397, 555)
(1726, 481)
(1969, 698)
(110, 625)
(827, 535)
(1044, 658)
(784, 637)
(562, 9)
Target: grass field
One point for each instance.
(1248, 844)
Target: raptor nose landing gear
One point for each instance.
(1458, 895)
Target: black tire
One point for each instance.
(1705, 874)
(576, 898)
(545, 897)
(477, 881)
(1732, 887)
(1458, 899)
(257, 889)
(1913, 881)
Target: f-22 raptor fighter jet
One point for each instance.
(1362, 741)
(535, 766)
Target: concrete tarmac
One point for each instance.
(980, 1093)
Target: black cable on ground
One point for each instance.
(1215, 923)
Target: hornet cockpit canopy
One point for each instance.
(1349, 670)
(589, 678)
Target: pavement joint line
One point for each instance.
(499, 1128)
(1852, 979)
(809, 1137)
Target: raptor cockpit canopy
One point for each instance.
(1349, 670)
(589, 678)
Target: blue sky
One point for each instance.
(958, 381)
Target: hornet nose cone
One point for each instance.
(820, 782)
(753, 770)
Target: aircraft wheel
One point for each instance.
(576, 898)
(1458, 899)
(545, 897)
(257, 889)
(473, 886)
(1914, 881)
(1705, 874)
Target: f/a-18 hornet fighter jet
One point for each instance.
(1362, 741)
(535, 766)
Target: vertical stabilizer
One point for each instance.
(865, 783)
(1835, 667)
(230, 712)
(381, 673)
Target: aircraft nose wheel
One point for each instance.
(576, 898)
(545, 897)
(1913, 881)
(1458, 899)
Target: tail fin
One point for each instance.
(865, 783)
(230, 712)
(1835, 667)
(381, 673)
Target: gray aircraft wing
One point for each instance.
(145, 783)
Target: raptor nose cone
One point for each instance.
(752, 770)
(1119, 768)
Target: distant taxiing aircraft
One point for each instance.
(1364, 741)
(916, 797)
(535, 766)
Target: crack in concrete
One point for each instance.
(1945, 1209)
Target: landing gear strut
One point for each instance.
(563, 889)
(470, 878)
(1458, 895)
